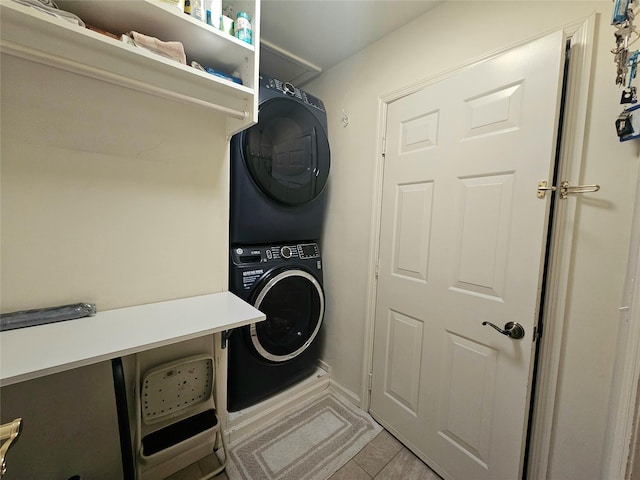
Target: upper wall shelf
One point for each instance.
(36, 36)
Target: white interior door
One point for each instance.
(462, 241)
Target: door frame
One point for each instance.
(581, 35)
(623, 432)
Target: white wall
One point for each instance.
(108, 196)
(451, 35)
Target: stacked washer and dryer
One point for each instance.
(279, 169)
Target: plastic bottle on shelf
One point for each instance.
(226, 24)
(242, 27)
(195, 8)
(213, 9)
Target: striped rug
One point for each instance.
(309, 443)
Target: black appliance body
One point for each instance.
(285, 283)
(279, 169)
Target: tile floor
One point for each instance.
(383, 458)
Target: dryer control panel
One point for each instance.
(290, 90)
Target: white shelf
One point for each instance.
(36, 36)
(33, 352)
(203, 43)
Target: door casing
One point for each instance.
(581, 34)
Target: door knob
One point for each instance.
(511, 329)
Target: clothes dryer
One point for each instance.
(285, 283)
(279, 168)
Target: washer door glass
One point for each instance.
(293, 303)
(287, 152)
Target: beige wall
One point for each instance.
(108, 196)
(451, 35)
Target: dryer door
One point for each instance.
(293, 302)
(287, 152)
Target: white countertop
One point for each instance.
(33, 352)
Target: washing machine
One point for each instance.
(283, 281)
(279, 168)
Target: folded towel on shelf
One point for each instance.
(172, 50)
(50, 8)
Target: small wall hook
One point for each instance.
(345, 119)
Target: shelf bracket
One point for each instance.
(224, 335)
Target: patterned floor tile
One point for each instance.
(351, 471)
(406, 466)
(378, 453)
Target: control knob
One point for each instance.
(289, 89)
(285, 252)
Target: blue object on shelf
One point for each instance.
(223, 75)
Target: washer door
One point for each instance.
(293, 302)
(287, 153)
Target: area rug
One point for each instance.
(309, 443)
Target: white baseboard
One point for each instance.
(324, 366)
(345, 393)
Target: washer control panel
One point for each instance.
(302, 251)
(260, 254)
(252, 263)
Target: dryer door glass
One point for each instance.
(293, 303)
(287, 152)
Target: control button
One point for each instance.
(285, 252)
(269, 255)
(239, 251)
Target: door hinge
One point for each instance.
(377, 271)
(565, 189)
(370, 381)
(384, 147)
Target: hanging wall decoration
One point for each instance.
(627, 126)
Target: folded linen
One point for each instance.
(50, 8)
(172, 50)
